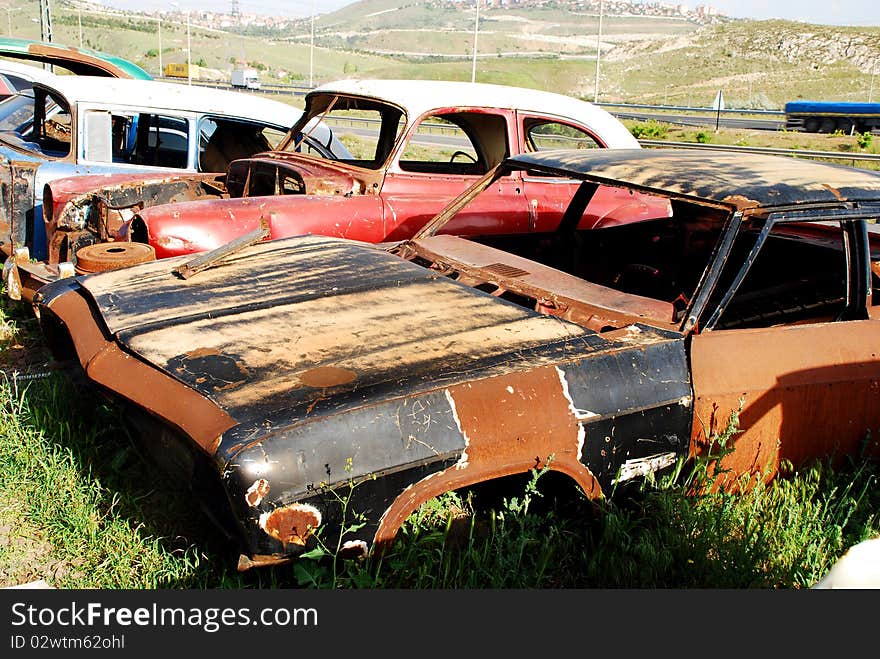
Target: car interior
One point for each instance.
(37, 121)
(649, 270)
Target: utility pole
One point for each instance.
(161, 70)
(598, 49)
(476, 31)
(312, 51)
(46, 23)
(189, 80)
(79, 16)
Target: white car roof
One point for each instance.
(143, 94)
(417, 97)
(27, 71)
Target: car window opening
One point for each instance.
(462, 143)
(649, 271)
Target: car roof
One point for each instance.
(742, 180)
(417, 97)
(80, 61)
(27, 71)
(175, 96)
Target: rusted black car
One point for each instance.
(275, 377)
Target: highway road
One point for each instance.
(724, 121)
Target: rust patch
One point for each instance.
(326, 376)
(809, 392)
(741, 202)
(202, 352)
(291, 525)
(507, 433)
(257, 492)
(834, 191)
(260, 560)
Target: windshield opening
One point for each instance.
(357, 131)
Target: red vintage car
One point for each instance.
(398, 152)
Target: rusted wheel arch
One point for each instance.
(455, 478)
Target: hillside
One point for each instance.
(643, 59)
(387, 27)
(756, 63)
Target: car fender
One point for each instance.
(190, 227)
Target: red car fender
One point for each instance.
(190, 227)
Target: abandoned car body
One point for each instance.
(299, 370)
(418, 144)
(79, 125)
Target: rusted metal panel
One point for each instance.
(84, 210)
(506, 433)
(344, 330)
(77, 61)
(17, 199)
(809, 392)
(361, 367)
(564, 295)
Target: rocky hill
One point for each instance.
(803, 44)
(757, 63)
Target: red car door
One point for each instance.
(410, 200)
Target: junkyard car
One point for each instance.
(293, 369)
(413, 145)
(98, 125)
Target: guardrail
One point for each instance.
(686, 108)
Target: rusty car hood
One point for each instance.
(297, 328)
(287, 320)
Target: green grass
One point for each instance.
(82, 509)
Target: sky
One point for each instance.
(823, 12)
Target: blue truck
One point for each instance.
(829, 116)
